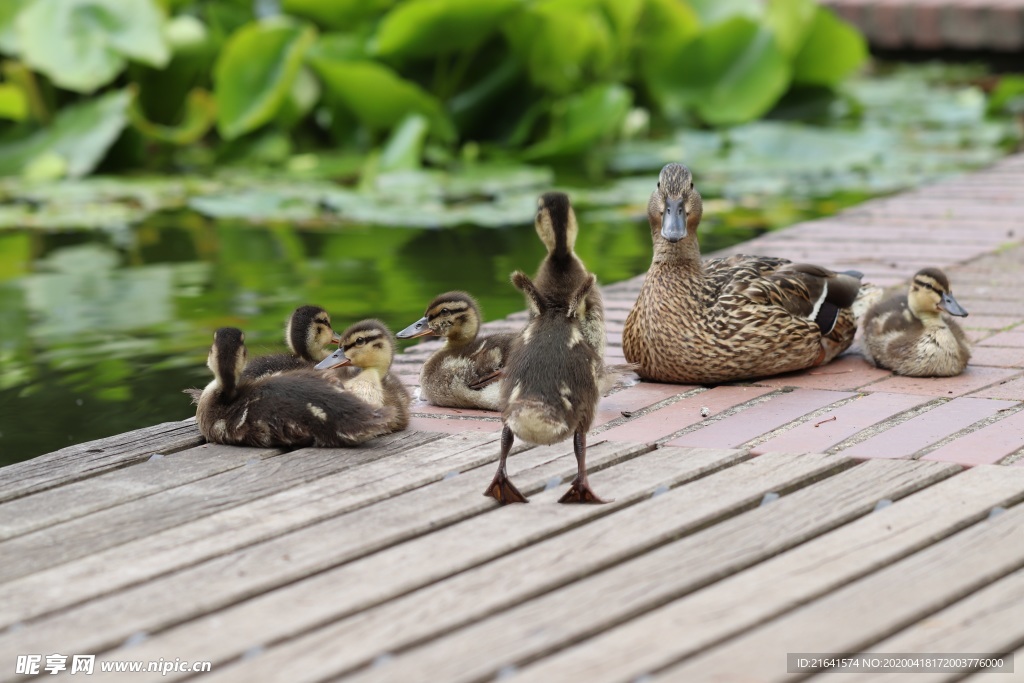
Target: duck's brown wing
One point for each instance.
(804, 290)
(722, 274)
(488, 359)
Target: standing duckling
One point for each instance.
(466, 371)
(293, 409)
(562, 270)
(550, 390)
(370, 346)
(307, 333)
(908, 334)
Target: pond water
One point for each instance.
(110, 289)
(101, 332)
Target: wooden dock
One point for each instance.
(979, 25)
(840, 510)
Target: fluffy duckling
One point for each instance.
(370, 346)
(292, 409)
(909, 334)
(729, 319)
(550, 390)
(562, 270)
(466, 371)
(307, 333)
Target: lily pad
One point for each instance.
(83, 44)
(80, 135)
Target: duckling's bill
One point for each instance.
(335, 360)
(420, 328)
(952, 306)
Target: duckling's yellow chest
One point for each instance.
(368, 387)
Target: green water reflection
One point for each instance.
(99, 332)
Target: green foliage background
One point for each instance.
(183, 84)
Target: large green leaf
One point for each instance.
(255, 73)
(833, 50)
(624, 16)
(13, 103)
(562, 43)
(9, 10)
(83, 44)
(715, 11)
(665, 26)
(791, 21)
(420, 28)
(75, 143)
(304, 95)
(378, 96)
(731, 73)
(336, 14)
(580, 121)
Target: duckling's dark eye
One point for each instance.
(691, 184)
(445, 311)
(360, 341)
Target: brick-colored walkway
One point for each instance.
(996, 25)
(972, 227)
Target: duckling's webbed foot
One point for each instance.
(580, 491)
(500, 488)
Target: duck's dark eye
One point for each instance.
(360, 341)
(691, 184)
(445, 311)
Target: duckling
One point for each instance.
(370, 346)
(291, 409)
(562, 269)
(307, 332)
(908, 334)
(734, 318)
(466, 371)
(550, 390)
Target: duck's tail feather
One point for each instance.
(868, 296)
(535, 422)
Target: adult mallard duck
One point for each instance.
(734, 318)
(550, 390)
(466, 371)
(291, 409)
(370, 346)
(307, 332)
(908, 333)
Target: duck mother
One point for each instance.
(733, 318)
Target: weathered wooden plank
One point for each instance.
(763, 592)
(503, 583)
(988, 621)
(511, 633)
(225, 580)
(898, 596)
(55, 505)
(95, 457)
(357, 585)
(140, 518)
(231, 528)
